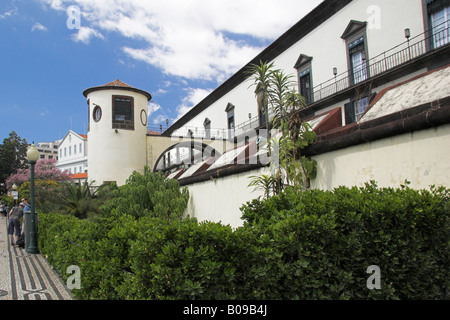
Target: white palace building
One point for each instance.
(376, 79)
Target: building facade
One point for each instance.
(375, 78)
(340, 45)
(117, 141)
(73, 153)
(48, 150)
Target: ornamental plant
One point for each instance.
(276, 95)
(149, 194)
(45, 169)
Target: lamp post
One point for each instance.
(335, 80)
(14, 190)
(33, 156)
(407, 36)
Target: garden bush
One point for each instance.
(297, 245)
(149, 194)
(329, 239)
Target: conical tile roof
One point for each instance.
(117, 84)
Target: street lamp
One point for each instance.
(14, 189)
(335, 74)
(407, 36)
(33, 156)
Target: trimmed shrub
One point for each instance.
(329, 239)
(297, 245)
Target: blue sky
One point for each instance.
(178, 50)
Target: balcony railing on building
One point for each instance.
(386, 61)
(395, 57)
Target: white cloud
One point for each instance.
(153, 107)
(38, 27)
(8, 13)
(160, 92)
(193, 39)
(160, 119)
(194, 96)
(56, 4)
(44, 112)
(85, 34)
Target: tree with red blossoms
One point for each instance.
(50, 183)
(43, 170)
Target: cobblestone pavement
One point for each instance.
(26, 276)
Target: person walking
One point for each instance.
(27, 206)
(15, 215)
(26, 209)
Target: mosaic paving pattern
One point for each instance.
(26, 276)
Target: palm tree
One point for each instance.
(262, 80)
(79, 199)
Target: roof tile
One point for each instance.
(117, 83)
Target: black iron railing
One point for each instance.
(386, 61)
(390, 59)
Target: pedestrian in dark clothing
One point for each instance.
(15, 215)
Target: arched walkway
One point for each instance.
(184, 153)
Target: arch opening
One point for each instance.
(183, 155)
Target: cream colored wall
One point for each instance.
(220, 200)
(156, 145)
(420, 157)
(114, 156)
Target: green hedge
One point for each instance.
(328, 239)
(297, 245)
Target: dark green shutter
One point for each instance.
(349, 113)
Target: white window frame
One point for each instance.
(440, 25)
(360, 106)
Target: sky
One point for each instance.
(177, 50)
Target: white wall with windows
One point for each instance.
(72, 153)
(48, 150)
(373, 28)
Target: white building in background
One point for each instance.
(376, 80)
(48, 150)
(72, 154)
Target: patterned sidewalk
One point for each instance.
(26, 276)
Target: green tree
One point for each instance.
(149, 194)
(276, 91)
(13, 152)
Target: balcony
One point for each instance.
(397, 56)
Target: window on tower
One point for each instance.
(122, 113)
